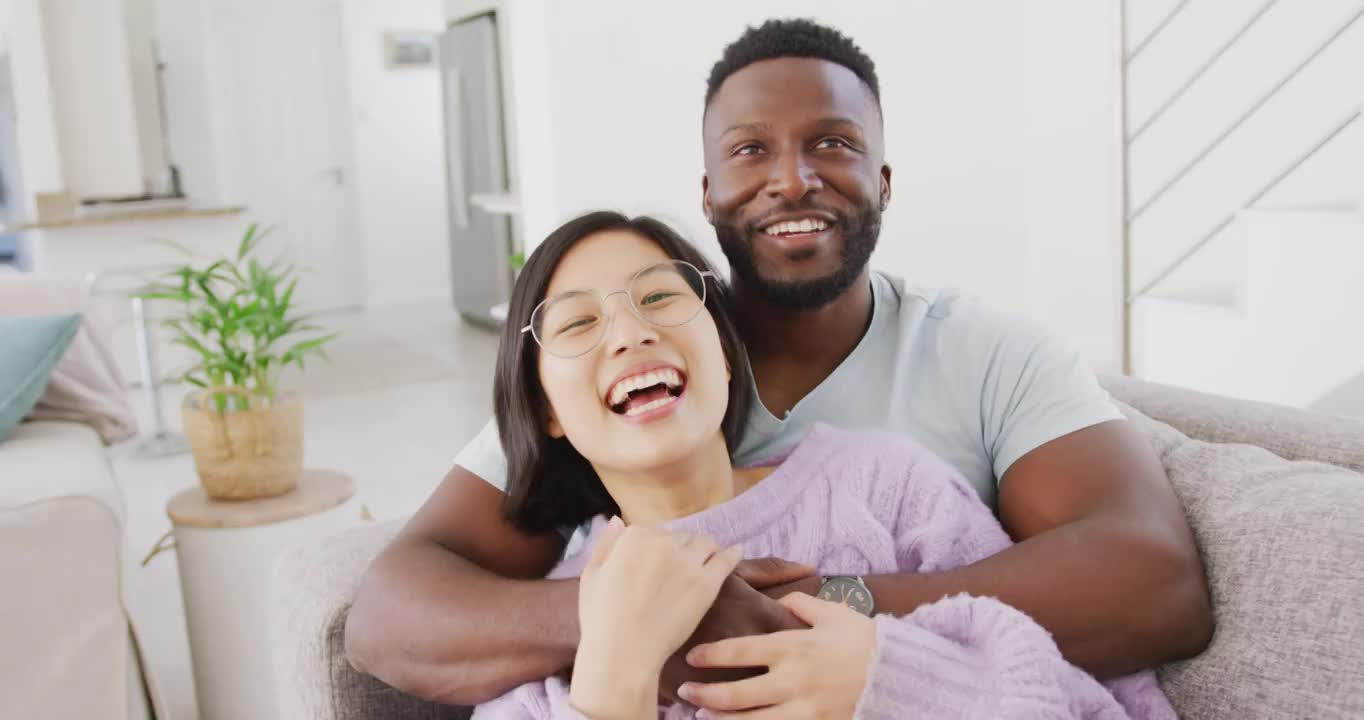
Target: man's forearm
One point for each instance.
(1115, 600)
(438, 626)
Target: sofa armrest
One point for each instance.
(311, 593)
(1288, 432)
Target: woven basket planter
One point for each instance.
(245, 446)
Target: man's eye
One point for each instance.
(833, 142)
(749, 149)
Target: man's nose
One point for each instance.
(626, 331)
(793, 177)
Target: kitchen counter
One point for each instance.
(109, 215)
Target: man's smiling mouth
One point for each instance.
(796, 227)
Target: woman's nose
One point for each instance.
(626, 331)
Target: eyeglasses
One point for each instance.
(668, 294)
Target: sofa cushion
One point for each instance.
(32, 348)
(86, 386)
(1281, 542)
(1287, 432)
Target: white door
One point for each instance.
(280, 93)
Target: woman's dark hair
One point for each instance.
(549, 484)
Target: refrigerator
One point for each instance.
(480, 207)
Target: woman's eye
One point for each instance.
(656, 297)
(576, 326)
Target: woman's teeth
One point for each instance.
(646, 407)
(791, 227)
(663, 376)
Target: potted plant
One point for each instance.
(239, 318)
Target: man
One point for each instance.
(795, 185)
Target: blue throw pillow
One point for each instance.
(29, 348)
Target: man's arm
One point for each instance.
(455, 609)
(1105, 559)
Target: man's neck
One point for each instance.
(792, 351)
(698, 481)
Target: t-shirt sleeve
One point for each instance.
(483, 457)
(1036, 389)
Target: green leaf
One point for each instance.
(296, 353)
(170, 244)
(254, 234)
(169, 294)
(248, 242)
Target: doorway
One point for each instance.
(280, 76)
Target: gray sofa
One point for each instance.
(1275, 497)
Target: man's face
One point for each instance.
(795, 178)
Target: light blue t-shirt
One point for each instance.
(978, 387)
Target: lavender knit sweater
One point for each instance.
(868, 504)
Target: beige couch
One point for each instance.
(67, 648)
(1274, 496)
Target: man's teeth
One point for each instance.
(622, 389)
(791, 227)
(646, 407)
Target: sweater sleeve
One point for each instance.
(941, 523)
(965, 657)
(549, 699)
(546, 699)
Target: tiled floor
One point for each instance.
(407, 387)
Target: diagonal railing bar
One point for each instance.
(1241, 120)
(1201, 71)
(1207, 237)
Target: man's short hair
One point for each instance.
(793, 38)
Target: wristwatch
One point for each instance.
(848, 590)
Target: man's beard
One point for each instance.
(859, 240)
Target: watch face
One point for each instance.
(847, 591)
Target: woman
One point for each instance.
(621, 388)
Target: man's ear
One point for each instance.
(885, 187)
(705, 200)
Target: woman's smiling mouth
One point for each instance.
(645, 392)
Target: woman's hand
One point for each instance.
(641, 596)
(815, 673)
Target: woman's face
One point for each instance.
(655, 425)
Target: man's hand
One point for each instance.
(740, 610)
(815, 673)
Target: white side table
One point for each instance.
(226, 551)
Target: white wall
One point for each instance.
(399, 155)
(92, 96)
(21, 38)
(998, 115)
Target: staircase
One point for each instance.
(1289, 328)
(1244, 151)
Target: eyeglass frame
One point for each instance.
(629, 302)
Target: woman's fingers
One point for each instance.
(700, 548)
(755, 692)
(609, 535)
(744, 652)
(721, 565)
(775, 712)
